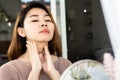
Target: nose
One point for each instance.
(43, 25)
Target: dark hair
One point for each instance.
(18, 43)
(100, 53)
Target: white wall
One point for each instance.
(111, 9)
(112, 16)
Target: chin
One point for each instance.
(45, 40)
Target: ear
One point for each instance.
(21, 32)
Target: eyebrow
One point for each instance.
(37, 15)
(33, 16)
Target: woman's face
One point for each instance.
(38, 26)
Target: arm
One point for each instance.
(34, 75)
(35, 60)
(48, 65)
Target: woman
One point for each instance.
(35, 47)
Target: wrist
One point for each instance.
(34, 75)
(55, 75)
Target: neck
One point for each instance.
(40, 46)
(25, 56)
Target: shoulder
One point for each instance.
(60, 60)
(8, 64)
(63, 64)
(14, 65)
(64, 61)
(6, 70)
(13, 69)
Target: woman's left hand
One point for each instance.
(48, 66)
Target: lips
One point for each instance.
(44, 31)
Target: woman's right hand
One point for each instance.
(48, 66)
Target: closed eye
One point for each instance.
(34, 20)
(48, 20)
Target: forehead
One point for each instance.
(37, 11)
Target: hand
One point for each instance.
(35, 58)
(48, 66)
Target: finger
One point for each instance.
(31, 48)
(30, 51)
(47, 56)
(48, 59)
(35, 48)
(47, 53)
(41, 58)
(44, 63)
(28, 46)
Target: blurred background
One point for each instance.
(81, 26)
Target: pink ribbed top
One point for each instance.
(19, 70)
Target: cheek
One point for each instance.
(29, 27)
(52, 28)
(29, 31)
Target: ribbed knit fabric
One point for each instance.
(19, 70)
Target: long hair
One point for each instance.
(18, 44)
